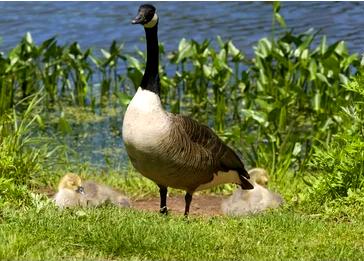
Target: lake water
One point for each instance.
(97, 24)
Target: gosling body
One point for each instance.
(244, 202)
(73, 192)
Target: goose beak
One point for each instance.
(139, 19)
(80, 190)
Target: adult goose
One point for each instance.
(173, 150)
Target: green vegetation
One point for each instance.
(295, 108)
(339, 164)
(109, 233)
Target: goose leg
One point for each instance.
(188, 199)
(163, 196)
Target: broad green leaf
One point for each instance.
(349, 61)
(124, 98)
(221, 56)
(264, 105)
(264, 47)
(183, 44)
(185, 50)
(133, 63)
(207, 70)
(263, 77)
(312, 69)
(343, 79)
(135, 76)
(323, 78)
(14, 60)
(96, 61)
(28, 38)
(220, 41)
(317, 101)
(232, 49)
(260, 117)
(297, 149)
(276, 6)
(341, 48)
(105, 53)
(304, 54)
(63, 124)
(241, 86)
(323, 46)
(185, 53)
(280, 20)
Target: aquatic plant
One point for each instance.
(272, 107)
(338, 167)
(26, 156)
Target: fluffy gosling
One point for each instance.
(72, 192)
(244, 202)
(259, 176)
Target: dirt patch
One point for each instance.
(202, 205)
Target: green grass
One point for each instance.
(44, 233)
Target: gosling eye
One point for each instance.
(80, 190)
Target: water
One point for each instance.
(97, 24)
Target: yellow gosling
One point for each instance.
(73, 192)
(244, 202)
(259, 176)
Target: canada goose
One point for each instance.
(173, 150)
(255, 200)
(73, 192)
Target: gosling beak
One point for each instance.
(80, 190)
(139, 19)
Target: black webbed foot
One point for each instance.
(163, 210)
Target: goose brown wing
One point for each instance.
(215, 154)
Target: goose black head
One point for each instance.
(147, 16)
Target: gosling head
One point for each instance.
(147, 16)
(259, 176)
(72, 182)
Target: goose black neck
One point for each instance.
(150, 79)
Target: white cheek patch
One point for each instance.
(152, 22)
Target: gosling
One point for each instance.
(244, 202)
(72, 192)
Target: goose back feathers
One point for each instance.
(174, 150)
(203, 152)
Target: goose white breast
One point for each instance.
(146, 123)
